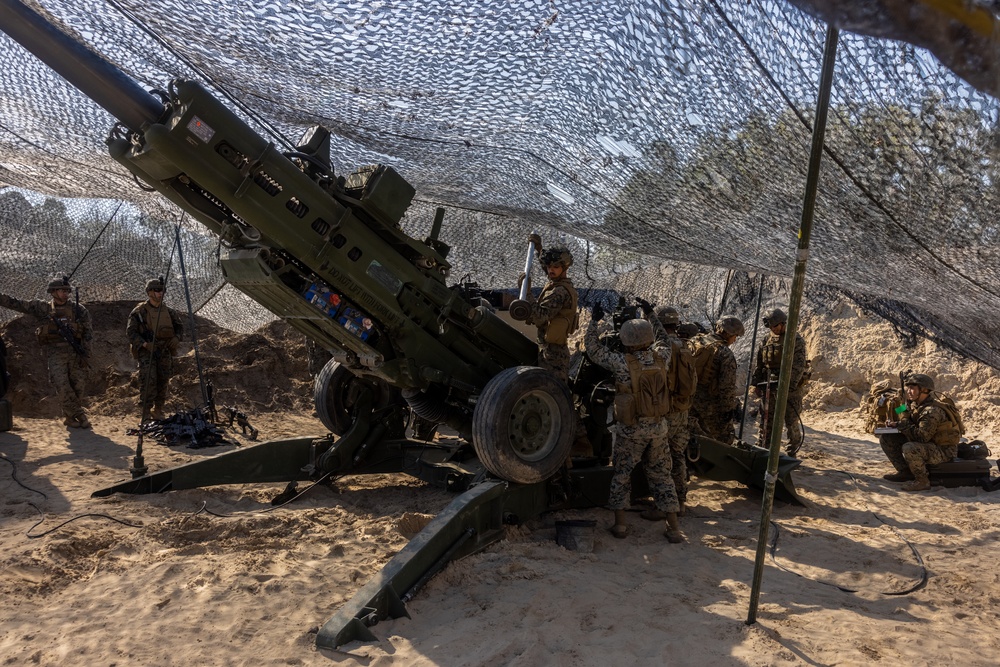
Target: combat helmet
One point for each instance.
(557, 255)
(155, 284)
(58, 283)
(730, 325)
(636, 333)
(668, 316)
(688, 330)
(921, 380)
(774, 318)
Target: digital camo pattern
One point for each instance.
(892, 445)
(711, 412)
(645, 444)
(928, 422)
(679, 435)
(926, 437)
(155, 371)
(919, 455)
(766, 368)
(554, 299)
(625, 131)
(647, 441)
(768, 362)
(65, 365)
(161, 327)
(792, 417)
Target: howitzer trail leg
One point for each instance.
(469, 524)
(745, 465)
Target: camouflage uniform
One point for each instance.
(163, 328)
(717, 395)
(67, 368)
(768, 367)
(645, 442)
(927, 436)
(679, 434)
(557, 301)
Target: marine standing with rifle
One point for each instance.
(65, 334)
(153, 332)
(764, 382)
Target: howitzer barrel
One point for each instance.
(328, 255)
(90, 73)
(528, 261)
(520, 308)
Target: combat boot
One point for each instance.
(899, 477)
(71, 422)
(620, 529)
(920, 482)
(673, 529)
(82, 421)
(145, 414)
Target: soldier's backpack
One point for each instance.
(646, 395)
(703, 349)
(951, 409)
(682, 377)
(880, 405)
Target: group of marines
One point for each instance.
(660, 439)
(66, 333)
(655, 430)
(657, 434)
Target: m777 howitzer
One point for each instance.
(326, 254)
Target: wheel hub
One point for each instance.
(534, 427)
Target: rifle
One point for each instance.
(241, 420)
(67, 333)
(147, 336)
(902, 394)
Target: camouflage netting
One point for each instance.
(655, 138)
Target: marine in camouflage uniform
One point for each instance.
(62, 322)
(679, 431)
(927, 436)
(767, 369)
(153, 333)
(717, 398)
(554, 313)
(644, 442)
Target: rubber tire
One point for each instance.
(332, 395)
(512, 398)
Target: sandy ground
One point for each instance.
(165, 580)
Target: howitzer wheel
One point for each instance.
(336, 391)
(523, 425)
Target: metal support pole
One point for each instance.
(194, 330)
(753, 348)
(795, 300)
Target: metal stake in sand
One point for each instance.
(795, 300)
(138, 468)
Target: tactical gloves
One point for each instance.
(646, 306)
